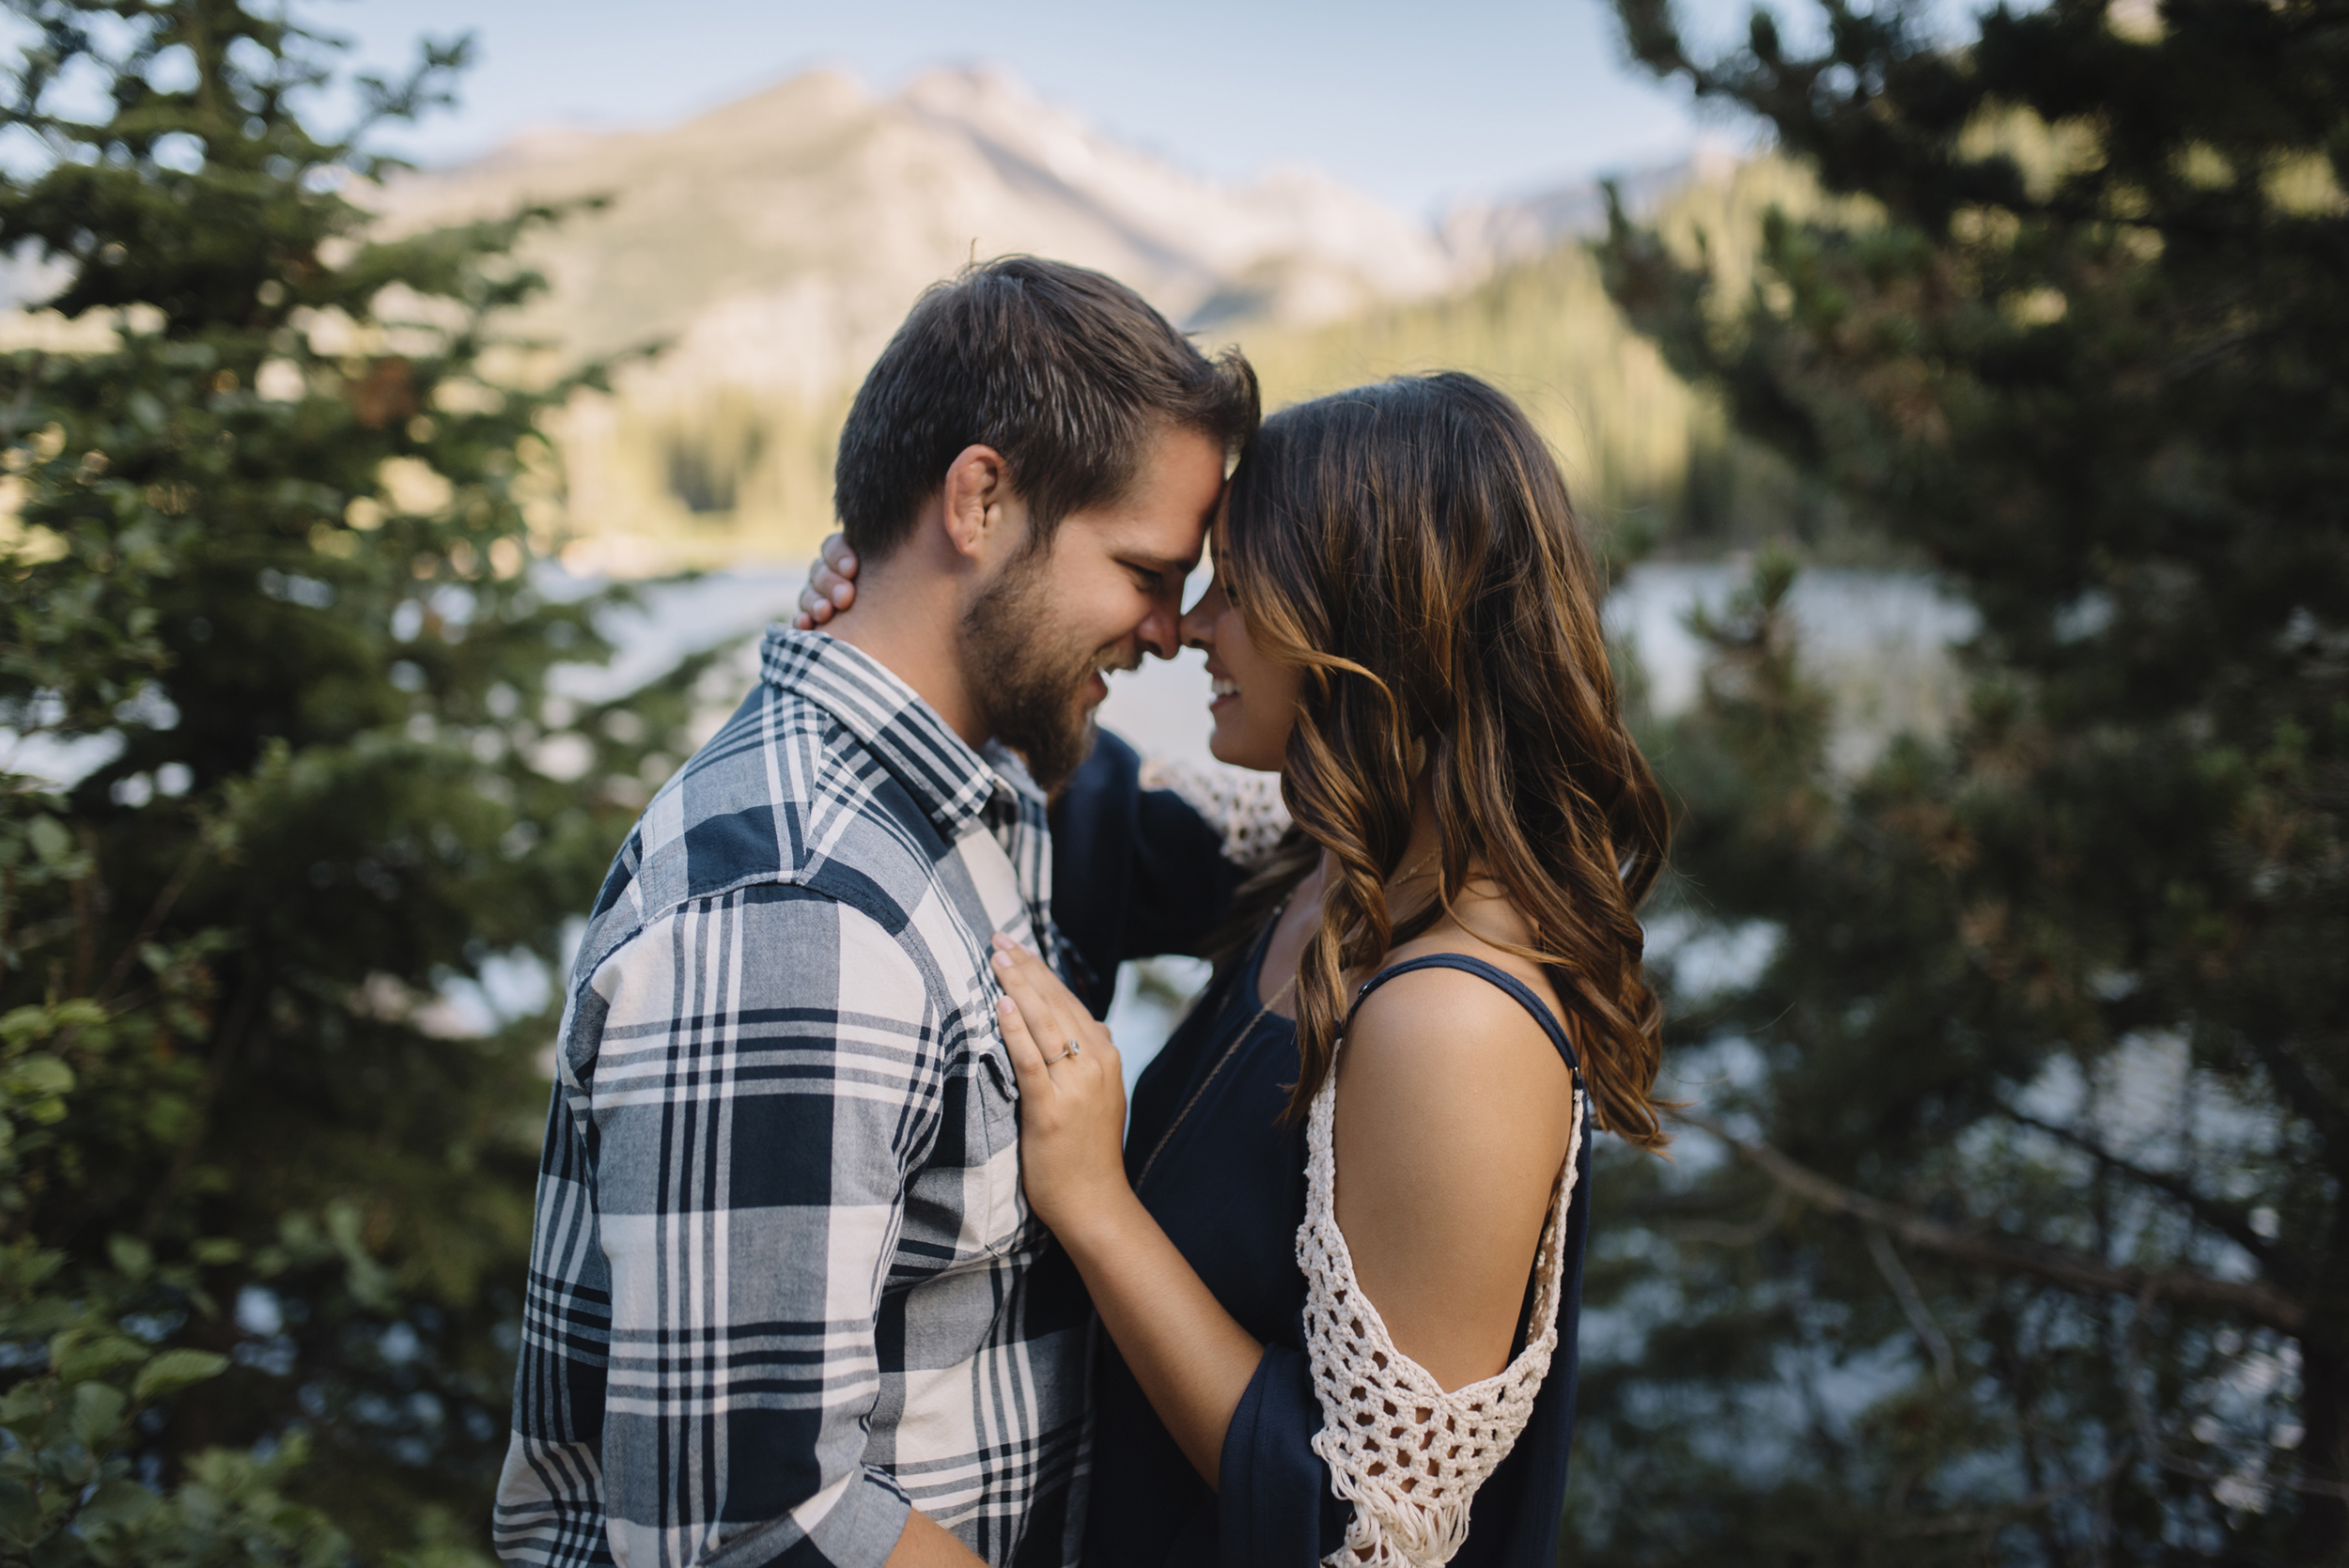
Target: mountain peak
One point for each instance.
(778, 239)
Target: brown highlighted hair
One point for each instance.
(1410, 548)
(1069, 374)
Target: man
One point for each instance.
(787, 1300)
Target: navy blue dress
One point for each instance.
(1211, 1161)
(1137, 873)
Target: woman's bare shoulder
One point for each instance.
(1453, 1117)
(1443, 1051)
(1453, 1034)
(1480, 927)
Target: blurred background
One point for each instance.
(411, 415)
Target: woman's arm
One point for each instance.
(1136, 871)
(1454, 1112)
(1191, 1359)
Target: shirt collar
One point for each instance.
(950, 780)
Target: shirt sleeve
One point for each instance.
(766, 1079)
(1274, 1502)
(1136, 872)
(1243, 808)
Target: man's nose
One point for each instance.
(1162, 630)
(1192, 631)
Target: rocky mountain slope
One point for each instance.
(775, 241)
(770, 245)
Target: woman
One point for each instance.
(1435, 990)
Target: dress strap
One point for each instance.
(1493, 972)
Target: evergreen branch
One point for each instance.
(2322, 1109)
(227, 1044)
(1720, 1234)
(13, 420)
(2141, 1415)
(2228, 1219)
(2038, 1502)
(1912, 1302)
(424, 88)
(164, 901)
(1993, 1249)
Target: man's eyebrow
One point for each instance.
(1160, 563)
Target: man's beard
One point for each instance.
(1030, 687)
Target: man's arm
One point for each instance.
(1147, 854)
(766, 1079)
(1243, 808)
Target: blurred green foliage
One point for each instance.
(1655, 462)
(269, 610)
(2012, 1219)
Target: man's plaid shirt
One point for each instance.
(784, 1281)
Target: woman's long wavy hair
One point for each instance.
(1410, 548)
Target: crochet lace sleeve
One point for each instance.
(1243, 806)
(1408, 1454)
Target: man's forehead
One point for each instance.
(1150, 536)
(1155, 554)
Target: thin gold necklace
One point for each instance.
(1417, 867)
(1238, 1039)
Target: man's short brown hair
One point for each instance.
(1068, 373)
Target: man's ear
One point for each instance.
(977, 499)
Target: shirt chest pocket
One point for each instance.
(965, 1205)
(1008, 1220)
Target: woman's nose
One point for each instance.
(1198, 623)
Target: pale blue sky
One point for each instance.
(1418, 103)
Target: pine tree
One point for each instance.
(267, 562)
(2013, 1224)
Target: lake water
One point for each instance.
(1880, 641)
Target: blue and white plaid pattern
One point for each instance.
(783, 1284)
